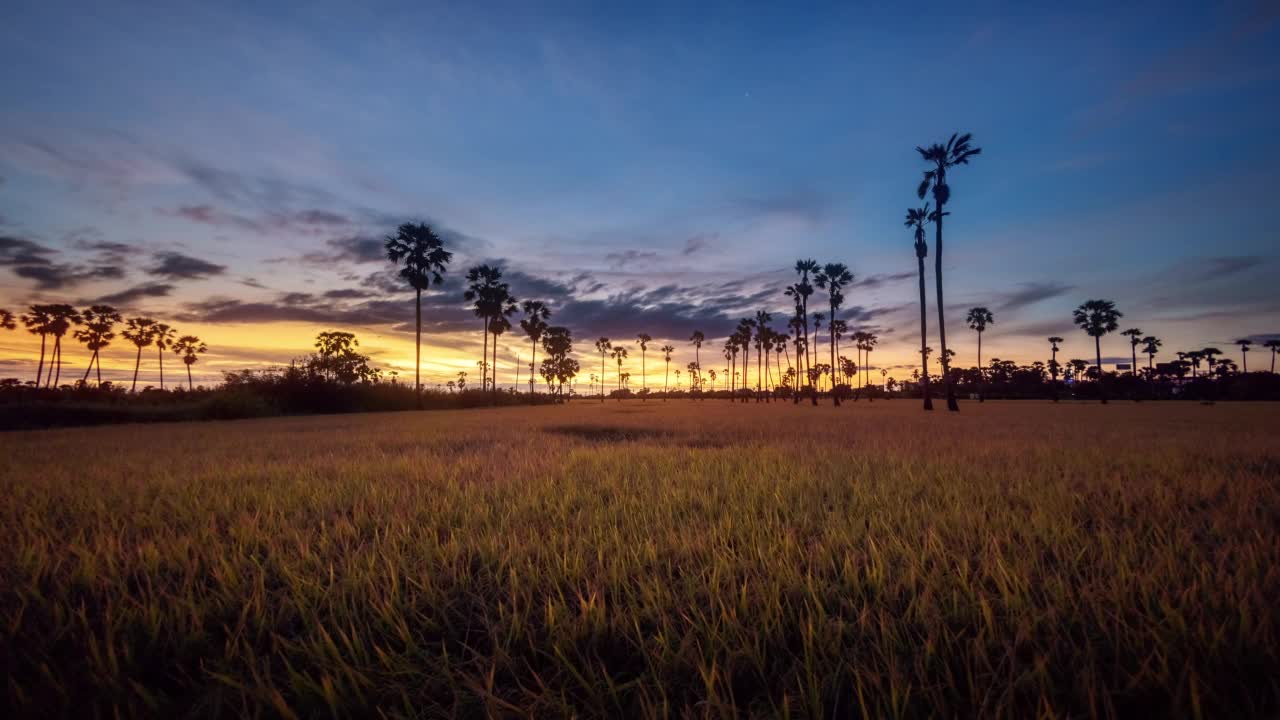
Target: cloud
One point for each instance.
(698, 243)
(618, 260)
(1215, 268)
(245, 190)
(1030, 293)
(347, 294)
(353, 248)
(177, 266)
(59, 276)
(133, 294)
(18, 251)
(872, 282)
(306, 222)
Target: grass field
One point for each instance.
(666, 559)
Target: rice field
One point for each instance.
(679, 559)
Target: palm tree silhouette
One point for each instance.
(941, 158)
(140, 332)
(1151, 346)
(99, 322)
(643, 340)
(7, 321)
(979, 318)
(869, 342)
(1053, 364)
(37, 321)
(1195, 356)
(803, 290)
(604, 346)
(1135, 338)
(61, 319)
(761, 327)
(730, 353)
(1097, 318)
(425, 261)
(497, 326)
(832, 278)
(666, 373)
(712, 374)
(1273, 345)
(189, 347)
(1210, 355)
(697, 338)
(534, 324)
(1245, 344)
(491, 299)
(917, 218)
(619, 354)
(164, 339)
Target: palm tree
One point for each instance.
(1097, 318)
(1244, 344)
(941, 158)
(425, 260)
(730, 353)
(619, 354)
(666, 373)
(534, 324)
(869, 342)
(1053, 364)
(832, 278)
(164, 338)
(61, 319)
(37, 321)
(916, 220)
(140, 332)
(491, 298)
(979, 318)
(1195, 356)
(99, 323)
(189, 347)
(1273, 345)
(7, 321)
(803, 291)
(604, 346)
(1210, 355)
(697, 338)
(1135, 338)
(1151, 346)
(643, 340)
(497, 326)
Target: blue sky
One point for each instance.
(652, 166)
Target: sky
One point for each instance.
(231, 168)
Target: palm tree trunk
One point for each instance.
(831, 328)
(57, 361)
(1053, 359)
(417, 350)
(1133, 347)
(952, 405)
(484, 359)
(40, 367)
(159, 352)
(1244, 361)
(1102, 388)
(533, 365)
(602, 377)
(99, 357)
(137, 363)
(982, 374)
(190, 385)
(89, 369)
(644, 379)
(666, 375)
(924, 337)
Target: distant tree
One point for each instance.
(557, 342)
(869, 342)
(940, 159)
(337, 359)
(917, 218)
(1097, 318)
(1273, 345)
(425, 260)
(697, 338)
(6, 320)
(1210, 355)
(61, 319)
(1053, 364)
(619, 354)
(189, 347)
(643, 340)
(37, 320)
(98, 332)
(1135, 338)
(141, 332)
(712, 374)
(1245, 344)
(832, 278)
(666, 373)
(979, 318)
(534, 324)
(497, 326)
(462, 381)
(1151, 346)
(603, 346)
(451, 385)
(164, 336)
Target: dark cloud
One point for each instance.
(133, 294)
(1031, 293)
(354, 249)
(261, 192)
(60, 276)
(18, 251)
(871, 282)
(698, 243)
(347, 294)
(625, 258)
(177, 266)
(303, 222)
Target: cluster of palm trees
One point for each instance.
(95, 328)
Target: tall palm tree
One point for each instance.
(141, 332)
(730, 353)
(666, 373)
(1135, 338)
(803, 290)
(942, 158)
(1273, 345)
(189, 347)
(1245, 344)
(1053, 364)
(1151, 346)
(534, 324)
(1097, 318)
(869, 342)
(917, 218)
(497, 326)
(697, 338)
(98, 332)
(979, 318)
(61, 319)
(761, 326)
(832, 278)
(425, 260)
(604, 346)
(1210, 355)
(619, 354)
(37, 321)
(164, 338)
(643, 340)
(490, 298)
(1194, 357)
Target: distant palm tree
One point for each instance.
(61, 319)
(697, 338)
(643, 340)
(140, 332)
(1194, 357)
(1273, 345)
(1097, 318)
(1053, 364)
(1135, 338)
(730, 353)
(6, 320)
(979, 318)
(534, 324)
(917, 218)
(619, 354)
(497, 326)
(712, 374)
(491, 298)
(832, 278)
(941, 158)
(189, 347)
(666, 373)
(37, 321)
(99, 323)
(869, 342)
(425, 261)
(1210, 355)
(1151, 346)
(604, 346)
(1244, 344)
(164, 339)
(803, 290)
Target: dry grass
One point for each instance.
(700, 559)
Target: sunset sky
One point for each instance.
(232, 167)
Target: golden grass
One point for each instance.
(658, 559)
